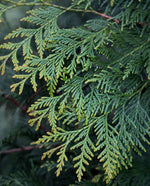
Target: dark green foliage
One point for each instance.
(97, 76)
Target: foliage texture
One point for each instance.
(97, 75)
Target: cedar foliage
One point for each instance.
(97, 75)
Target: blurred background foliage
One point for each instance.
(23, 168)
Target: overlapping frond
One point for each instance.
(44, 108)
(36, 68)
(46, 19)
(107, 142)
(86, 154)
(101, 71)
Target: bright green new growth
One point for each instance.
(102, 108)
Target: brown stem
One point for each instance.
(11, 99)
(23, 108)
(106, 16)
(31, 98)
(19, 149)
(86, 11)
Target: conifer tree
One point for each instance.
(97, 77)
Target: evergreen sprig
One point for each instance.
(97, 76)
